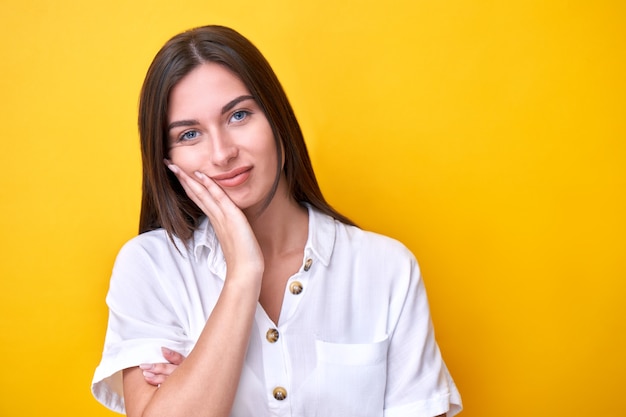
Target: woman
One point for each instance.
(278, 304)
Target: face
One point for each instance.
(217, 128)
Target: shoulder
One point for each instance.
(379, 257)
(328, 235)
(371, 243)
(148, 269)
(149, 251)
(380, 268)
(155, 242)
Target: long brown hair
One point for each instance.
(164, 203)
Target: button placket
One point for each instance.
(274, 355)
(276, 378)
(296, 287)
(274, 362)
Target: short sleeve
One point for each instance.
(418, 381)
(142, 319)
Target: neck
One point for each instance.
(283, 226)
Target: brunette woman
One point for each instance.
(263, 299)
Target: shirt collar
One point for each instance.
(320, 242)
(204, 238)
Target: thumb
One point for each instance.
(172, 356)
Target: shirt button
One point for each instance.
(307, 264)
(280, 393)
(272, 335)
(295, 287)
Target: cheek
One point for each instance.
(186, 158)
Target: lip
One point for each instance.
(233, 178)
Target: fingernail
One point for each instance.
(146, 366)
(173, 168)
(199, 175)
(166, 351)
(148, 374)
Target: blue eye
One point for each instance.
(189, 135)
(239, 115)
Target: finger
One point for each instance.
(215, 190)
(172, 356)
(229, 222)
(192, 188)
(155, 380)
(209, 193)
(162, 369)
(226, 210)
(209, 196)
(206, 194)
(148, 374)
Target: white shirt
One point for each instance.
(354, 337)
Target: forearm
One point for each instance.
(206, 383)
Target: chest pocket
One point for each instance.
(351, 378)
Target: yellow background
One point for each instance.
(489, 136)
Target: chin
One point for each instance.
(250, 203)
(246, 204)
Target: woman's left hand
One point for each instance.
(157, 373)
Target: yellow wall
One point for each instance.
(489, 136)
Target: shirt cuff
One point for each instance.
(107, 386)
(449, 404)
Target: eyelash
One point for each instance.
(244, 113)
(183, 136)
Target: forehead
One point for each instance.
(207, 87)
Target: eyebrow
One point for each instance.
(181, 123)
(234, 102)
(192, 122)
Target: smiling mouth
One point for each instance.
(233, 178)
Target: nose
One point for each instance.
(223, 149)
